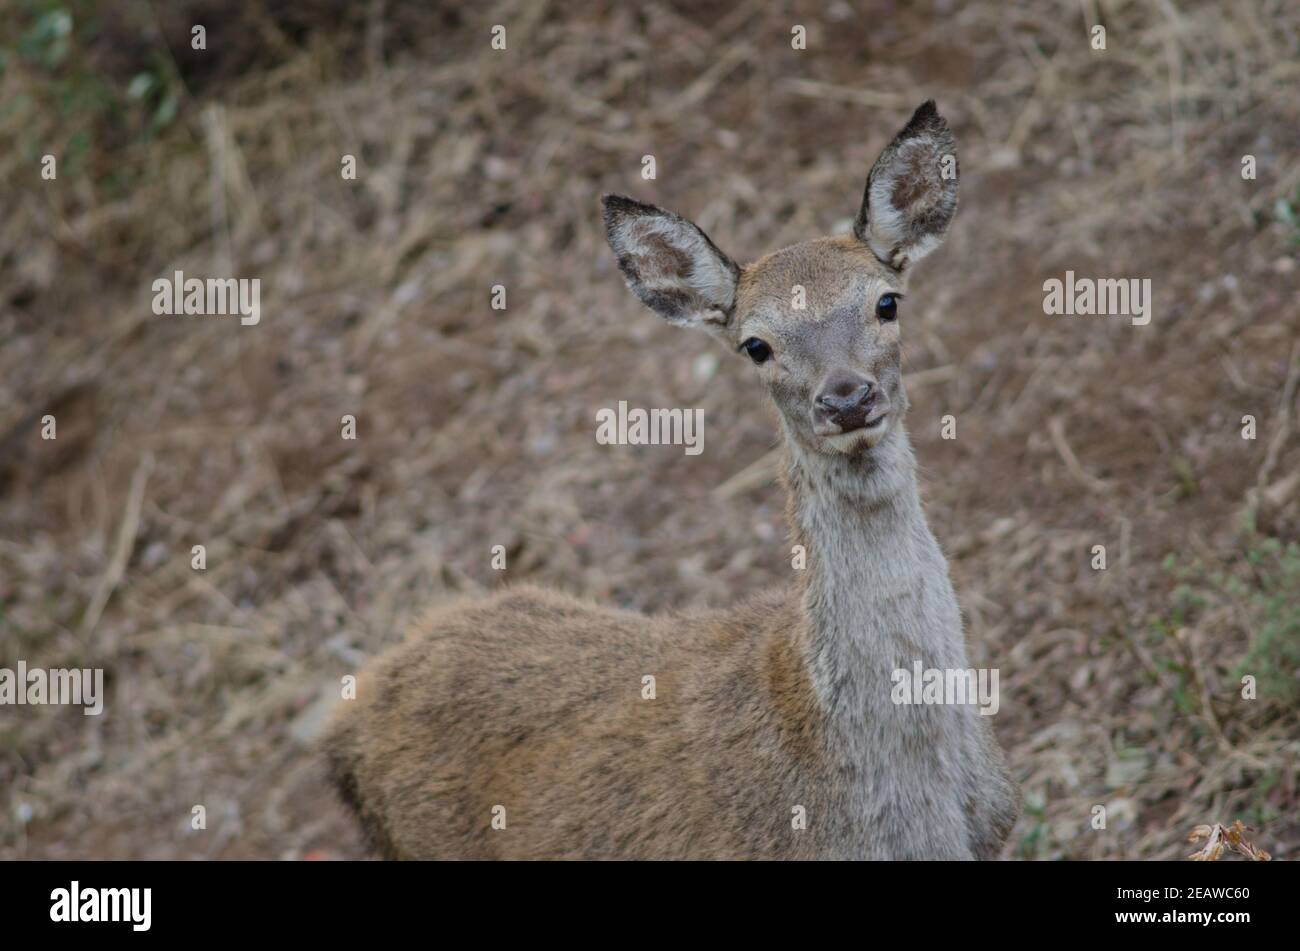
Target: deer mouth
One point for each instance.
(877, 420)
(874, 419)
(861, 438)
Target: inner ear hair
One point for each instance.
(909, 200)
(671, 264)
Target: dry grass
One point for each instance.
(476, 426)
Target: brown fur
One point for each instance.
(532, 700)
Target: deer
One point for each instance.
(518, 725)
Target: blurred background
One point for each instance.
(478, 167)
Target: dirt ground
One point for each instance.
(477, 167)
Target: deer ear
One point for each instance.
(671, 264)
(911, 193)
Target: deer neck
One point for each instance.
(875, 594)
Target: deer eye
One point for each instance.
(757, 350)
(887, 308)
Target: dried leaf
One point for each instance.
(1218, 839)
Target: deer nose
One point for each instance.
(845, 400)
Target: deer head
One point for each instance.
(820, 319)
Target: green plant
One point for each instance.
(1287, 212)
(1033, 843)
(71, 107)
(1264, 589)
(48, 39)
(1273, 597)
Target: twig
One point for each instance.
(933, 375)
(122, 551)
(698, 90)
(1056, 427)
(860, 97)
(758, 473)
(1284, 424)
